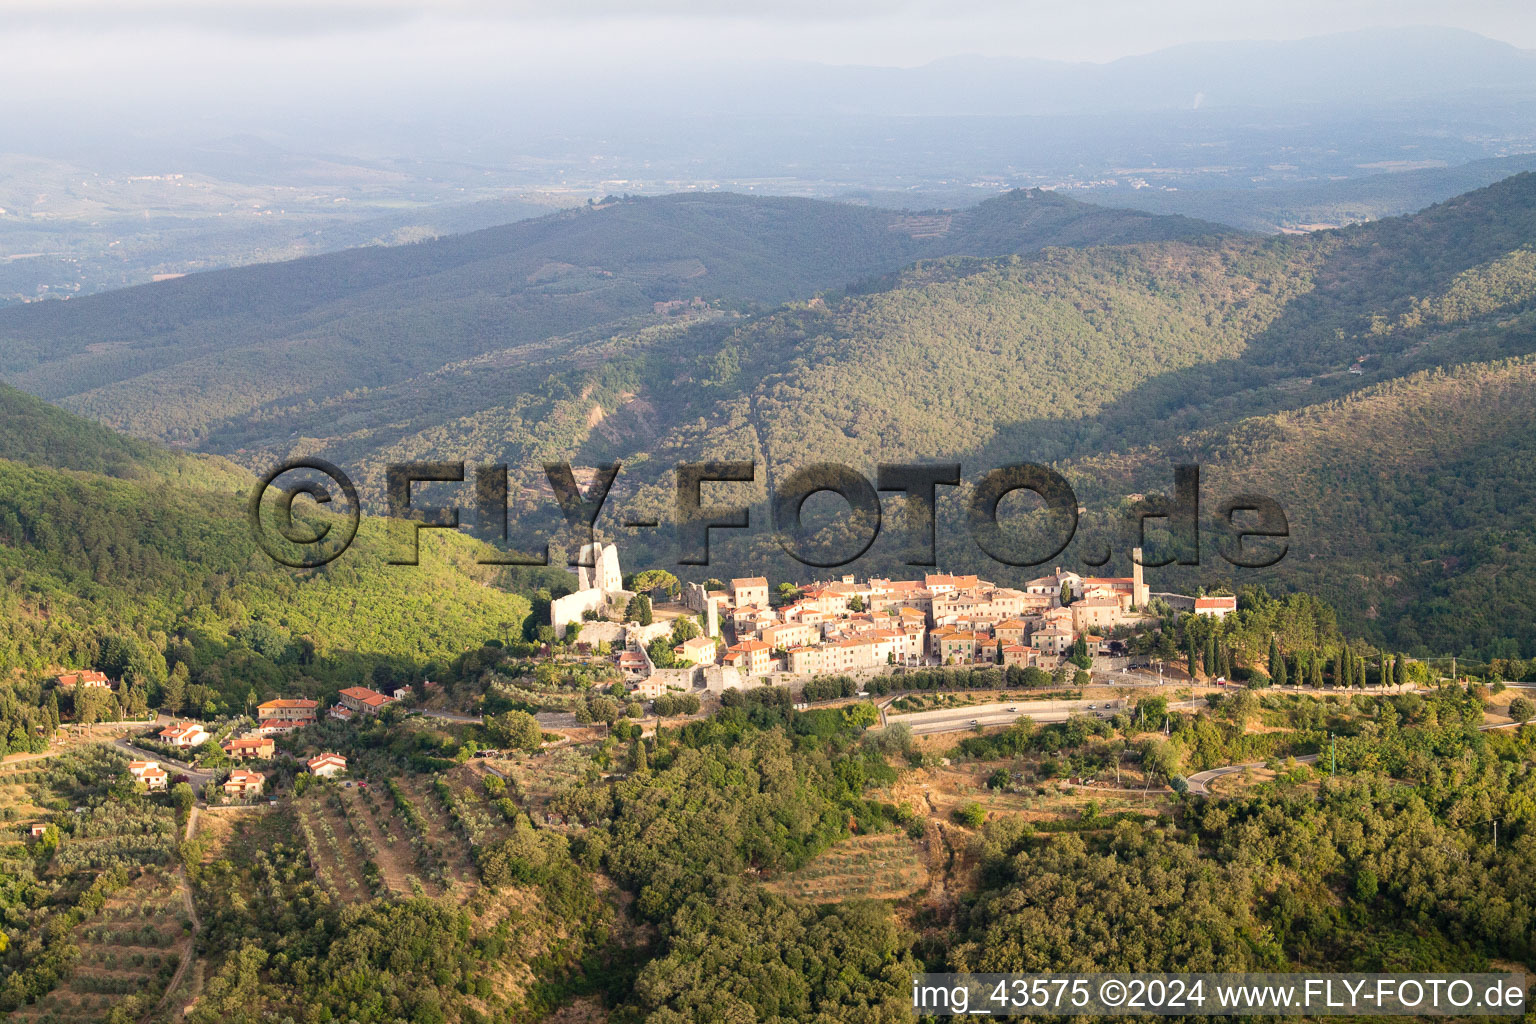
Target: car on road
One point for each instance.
(974, 721)
(1093, 707)
(1013, 711)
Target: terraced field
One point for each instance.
(95, 917)
(884, 866)
(131, 947)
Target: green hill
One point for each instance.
(138, 560)
(1110, 360)
(1114, 363)
(226, 352)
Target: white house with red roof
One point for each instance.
(150, 773)
(326, 765)
(87, 678)
(187, 734)
(1216, 607)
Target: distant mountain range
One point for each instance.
(1347, 69)
(1374, 378)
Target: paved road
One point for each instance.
(196, 777)
(1199, 782)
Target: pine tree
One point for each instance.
(174, 693)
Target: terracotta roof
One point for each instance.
(87, 676)
(366, 696)
(288, 702)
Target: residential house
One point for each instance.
(285, 714)
(363, 700)
(187, 734)
(752, 657)
(1020, 655)
(750, 590)
(1092, 613)
(261, 747)
(633, 665)
(88, 678)
(1216, 607)
(700, 650)
(243, 784)
(1053, 640)
(790, 634)
(1011, 631)
(150, 773)
(326, 765)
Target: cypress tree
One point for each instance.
(1190, 653)
(1347, 660)
(1210, 656)
(1274, 659)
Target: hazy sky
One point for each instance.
(50, 37)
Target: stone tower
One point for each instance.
(1140, 597)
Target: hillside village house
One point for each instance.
(150, 773)
(700, 650)
(326, 765)
(187, 735)
(750, 590)
(750, 656)
(846, 625)
(243, 783)
(88, 678)
(363, 700)
(38, 829)
(285, 715)
(1217, 607)
(261, 747)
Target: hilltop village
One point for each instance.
(738, 633)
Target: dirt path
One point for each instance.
(189, 954)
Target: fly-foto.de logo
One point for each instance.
(1251, 529)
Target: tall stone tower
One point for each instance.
(1140, 596)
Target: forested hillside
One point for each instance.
(1111, 360)
(152, 571)
(220, 351)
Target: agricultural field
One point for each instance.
(131, 947)
(93, 911)
(534, 780)
(885, 866)
(17, 785)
